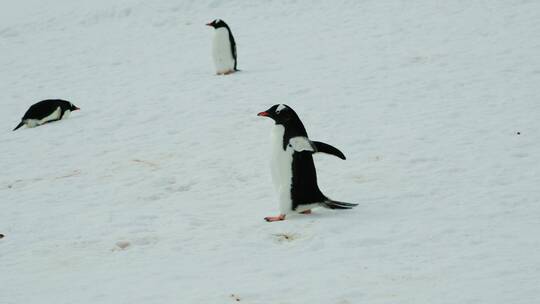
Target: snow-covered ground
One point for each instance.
(169, 161)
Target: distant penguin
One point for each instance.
(223, 48)
(46, 111)
(293, 170)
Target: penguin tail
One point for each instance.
(19, 125)
(330, 204)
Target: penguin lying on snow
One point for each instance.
(293, 170)
(223, 48)
(46, 111)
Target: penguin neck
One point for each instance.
(293, 128)
(224, 27)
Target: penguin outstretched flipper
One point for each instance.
(19, 125)
(326, 148)
(330, 204)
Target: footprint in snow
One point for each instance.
(121, 245)
(139, 242)
(235, 297)
(285, 237)
(146, 163)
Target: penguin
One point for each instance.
(46, 111)
(293, 170)
(223, 48)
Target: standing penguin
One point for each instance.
(46, 111)
(293, 170)
(223, 48)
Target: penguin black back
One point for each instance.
(304, 187)
(43, 108)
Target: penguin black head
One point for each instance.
(64, 104)
(284, 115)
(280, 113)
(73, 107)
(217, 24)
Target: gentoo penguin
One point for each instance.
(293, 170)
(46, 111)
(223, 48)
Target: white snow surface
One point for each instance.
(155, 191)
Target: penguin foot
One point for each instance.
(306, 212)
(225, 73)
(280, 217)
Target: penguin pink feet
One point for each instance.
(225, 73)
(280, 217)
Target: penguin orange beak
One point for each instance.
(209, 24)
(263, 114)
(76, 108)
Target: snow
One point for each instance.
(155, 191)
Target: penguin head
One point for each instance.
(284, 115)
(280, 113)
(73, 107)
(217, 24)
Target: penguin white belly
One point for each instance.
(281, 167)
(221, 51)
(36, 122)
(66, 114)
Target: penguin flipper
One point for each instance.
(19, 125)
(330, 204)
(326, 148)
